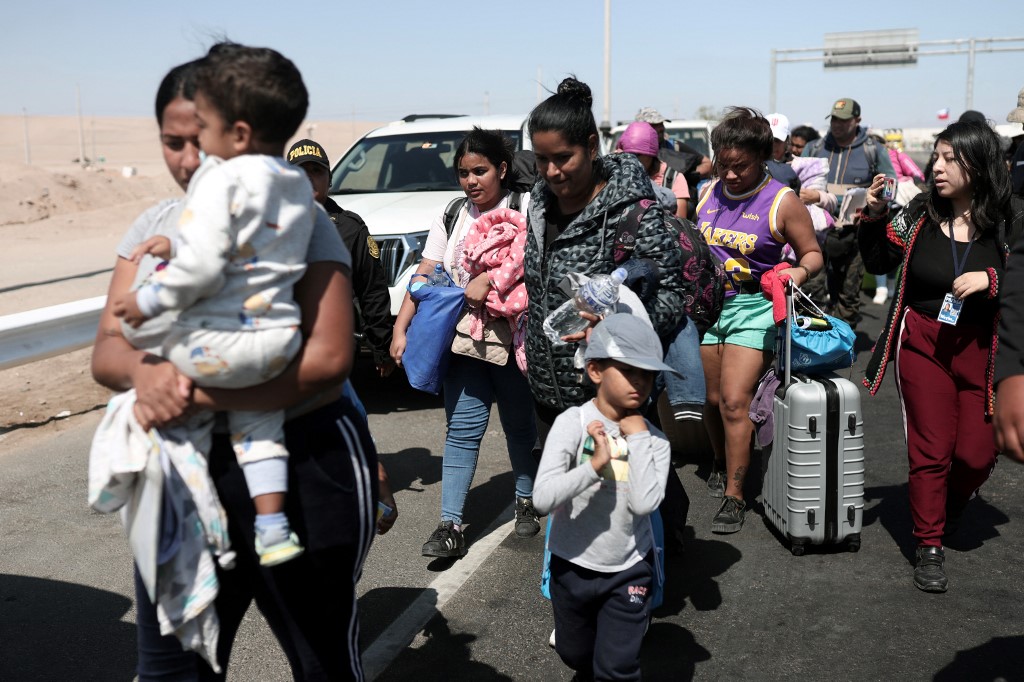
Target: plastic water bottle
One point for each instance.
(437, 278)
(597, 296)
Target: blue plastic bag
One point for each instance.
(429, 338)
(826, 350)
(657, 580)
(820, 343)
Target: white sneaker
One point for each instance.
(551, 640)
(881, 295)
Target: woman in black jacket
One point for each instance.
(952, 243)
(574, 218)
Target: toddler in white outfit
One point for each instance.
(241, 247)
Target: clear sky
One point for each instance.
(381, 60)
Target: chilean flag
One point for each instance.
(942, 114)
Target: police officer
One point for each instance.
(369, 282)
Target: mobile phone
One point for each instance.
(889, 189)
(383, 511)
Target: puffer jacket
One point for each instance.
(585, 247)
(885, 244)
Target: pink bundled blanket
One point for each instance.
(496, 244)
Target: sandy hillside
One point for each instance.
(61, 222)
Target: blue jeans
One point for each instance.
(470, 387)
(686, 394)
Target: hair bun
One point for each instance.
(574, 89)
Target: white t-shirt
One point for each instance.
(449, 251)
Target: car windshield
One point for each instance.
(694, 137)
(403, 163)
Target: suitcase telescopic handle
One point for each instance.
(787, 337)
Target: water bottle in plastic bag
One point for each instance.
(597, 296)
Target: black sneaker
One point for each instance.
(729, 518)
(445, 542)
(929, 575)
(716, 483)
(527, 523)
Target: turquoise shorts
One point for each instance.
(747, 321)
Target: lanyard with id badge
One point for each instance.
(951, 305)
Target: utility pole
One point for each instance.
(81, 131)
(970, 75)
(607, 117)
(540, 84)
(28, 152)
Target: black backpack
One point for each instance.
(682, 159)
(451, 211)
(700, 266)
(523, 177)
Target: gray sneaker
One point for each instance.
(729, 518)
(716, 483)
(527, 523)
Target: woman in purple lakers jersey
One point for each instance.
(746, 217)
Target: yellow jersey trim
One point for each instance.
(704, 196)
(773, 215)
(764, 183)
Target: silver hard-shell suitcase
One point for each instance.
(813, 490)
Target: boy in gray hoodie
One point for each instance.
(602, 473)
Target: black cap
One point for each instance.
(307, 151)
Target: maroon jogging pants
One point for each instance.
(940, 374)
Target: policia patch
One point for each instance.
(372, 246)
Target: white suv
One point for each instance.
(399, 178)
(695, 133)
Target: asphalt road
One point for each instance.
(737, 607)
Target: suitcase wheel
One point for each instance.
(798, 547)
(853, 543)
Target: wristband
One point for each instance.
(806, 272)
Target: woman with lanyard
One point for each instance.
(483, 164)
(951, 243)
(746, 218)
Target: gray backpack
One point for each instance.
(870, 151)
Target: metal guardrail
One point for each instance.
(55, 330)
(46, 332)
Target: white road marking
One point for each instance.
(403, 630)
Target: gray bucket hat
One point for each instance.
(628, 339)
(650, 115)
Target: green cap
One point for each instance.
(845, 109)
